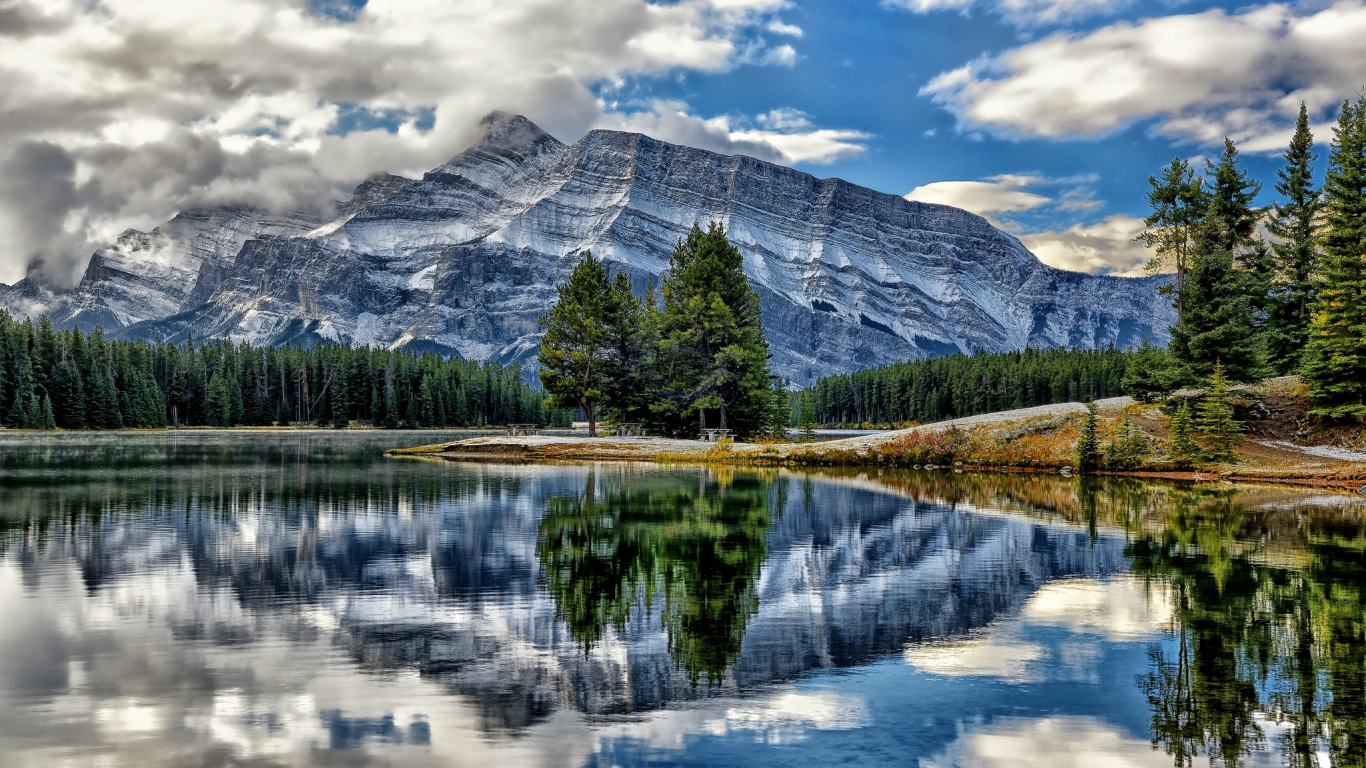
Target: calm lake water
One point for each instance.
(287, 599)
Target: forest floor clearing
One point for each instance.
(1282, 444)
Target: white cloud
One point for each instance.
(1107, 246)
(782, 135)
(1205, 76)
(123, 114)
(1004, 658)
(779, 27)
(1024, 13)
(999, 194)
(781, 56)
(1058, 741)
(1117, 610)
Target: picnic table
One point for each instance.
(522, 430)
(715, 435)
(630, 429)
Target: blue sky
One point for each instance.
(1046, 116)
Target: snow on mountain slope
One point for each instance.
(466, 259)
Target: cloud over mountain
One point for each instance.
(118, 115)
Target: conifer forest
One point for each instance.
(73, 380)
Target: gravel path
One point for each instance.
(865, 442)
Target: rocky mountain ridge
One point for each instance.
(464, 260)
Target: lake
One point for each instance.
(295, 598)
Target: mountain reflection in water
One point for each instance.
(283, 599)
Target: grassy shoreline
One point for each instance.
(1279, 447)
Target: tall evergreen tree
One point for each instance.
(780, 410)
(574, 352)
(220, 400)
(631, 334)
(806, 418)
(714, 355)
(1217, 326)
(1335, 364)
(1178, 203)
(1295, 224)
(340, 411)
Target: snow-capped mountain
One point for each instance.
(466, 259)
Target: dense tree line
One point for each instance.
(75, 380)
(964, 385)
(692, 358)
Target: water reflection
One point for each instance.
(1265, 635)
(642, 540)
(294, 600)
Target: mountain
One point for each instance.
(465, 259)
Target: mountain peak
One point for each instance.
(505, 131)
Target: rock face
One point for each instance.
(465, 260)
(152, 275)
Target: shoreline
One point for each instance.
(795, 456)
(1036, 440)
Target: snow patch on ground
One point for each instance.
(1322, 451)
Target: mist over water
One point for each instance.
(281, 599)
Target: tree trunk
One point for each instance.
(590, 410)
(723, 414)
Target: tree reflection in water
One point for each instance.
(632, 540)
(1265, 633)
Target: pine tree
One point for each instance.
(1148, 377)
(1182, 446)
(780, 411)
(573, 353)
(49, 421)
(806, 419)
(1128, 447)
(1220, 433)
(1178, 203)
(391, 413)
(1335, 363)
(220, 400)
(1295, 224)
(631, 334)
(714, 358)
(1217, 325)
(340, 415)
(71, 396)
(426, 396)
(1088, 442)
(24, 408)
